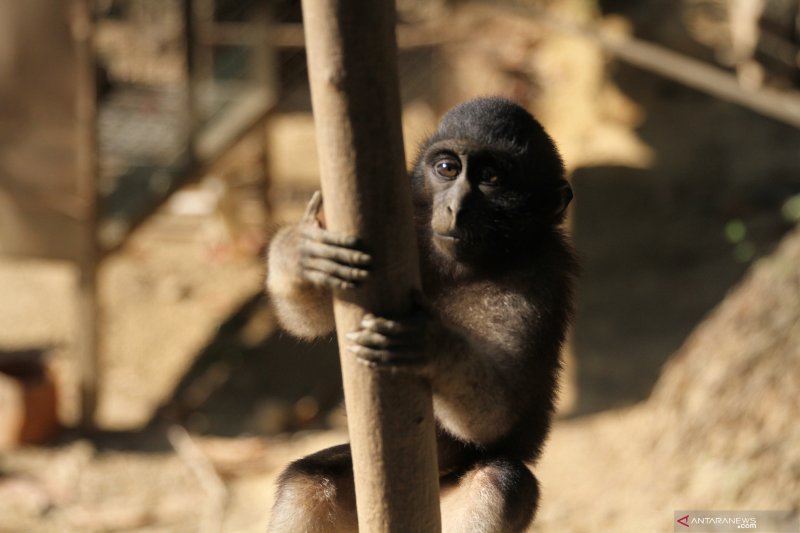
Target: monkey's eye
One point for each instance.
(491, 177)
(447, 168)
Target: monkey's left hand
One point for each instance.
(393, 343)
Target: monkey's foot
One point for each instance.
(391, 344)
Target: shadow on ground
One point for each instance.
(653, 241)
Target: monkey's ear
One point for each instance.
(563, 198)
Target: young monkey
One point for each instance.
(497, 278)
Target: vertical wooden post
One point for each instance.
(192, 118)
(352, 58)
(88, 312)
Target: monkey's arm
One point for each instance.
(479, 363)
(476, 382)
(302, 308)
(305, 261)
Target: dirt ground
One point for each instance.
(659, 173)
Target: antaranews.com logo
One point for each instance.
(721, 521)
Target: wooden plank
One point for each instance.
(779, 105)
(87, 169)
(39, 202)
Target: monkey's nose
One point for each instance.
(454, 213)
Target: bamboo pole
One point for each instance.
(352, 58)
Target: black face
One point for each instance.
(474, 198)
(490, 187)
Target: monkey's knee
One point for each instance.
(316, 495)
(498, 496)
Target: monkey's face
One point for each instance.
(477, 199)
(491, 180)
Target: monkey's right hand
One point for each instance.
(327, 259)
(393, 343)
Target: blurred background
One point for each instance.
(148, 150)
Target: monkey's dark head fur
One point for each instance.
(504, 126)
(488, 182)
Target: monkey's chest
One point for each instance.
(488, 314)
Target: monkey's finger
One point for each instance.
(370, 339)
(339, 254)
(408, 327)
(315, 233)
(321, 279)
(332, 268)
(388, 358)
(313, 207)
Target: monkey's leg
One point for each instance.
(494, 496)
(316, 495)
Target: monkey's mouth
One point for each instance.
(447, 237)
(458, 246)
(447, 243)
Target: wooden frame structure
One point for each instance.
(67, 191)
